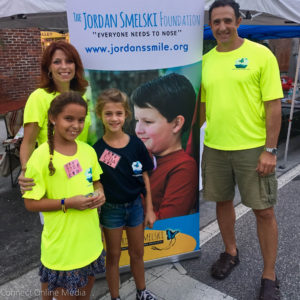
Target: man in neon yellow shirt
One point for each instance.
(240, 94)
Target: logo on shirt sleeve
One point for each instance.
(89, 175)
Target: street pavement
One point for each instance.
(188, 279)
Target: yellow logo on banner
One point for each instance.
(160, 243)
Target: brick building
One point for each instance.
(20, 54)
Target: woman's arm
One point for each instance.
(31, 131)
(150, 217)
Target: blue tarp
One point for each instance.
(261, 32)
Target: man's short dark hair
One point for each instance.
(219, 3)
(171, 95)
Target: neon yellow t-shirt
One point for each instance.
(36, 111)
(70, 240)
(235, 85)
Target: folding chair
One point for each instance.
(13, 124)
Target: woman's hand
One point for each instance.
(25, 183)
(150, 218)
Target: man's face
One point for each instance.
(224, 24)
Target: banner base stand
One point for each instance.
(159, 261)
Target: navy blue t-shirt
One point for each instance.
(122, 169)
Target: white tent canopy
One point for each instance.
(45, 14)
(14, 7)
(51, 14)
(285, 9)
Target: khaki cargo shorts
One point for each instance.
(222, 170)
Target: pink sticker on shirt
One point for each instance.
(73, 168)
(110, 158)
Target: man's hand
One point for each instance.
(266, 163)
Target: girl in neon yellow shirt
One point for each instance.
(66, 173)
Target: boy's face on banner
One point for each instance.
(154, 130)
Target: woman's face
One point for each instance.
(154, 130)
(62, 68)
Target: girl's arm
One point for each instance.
(150, 217)
(79, 202)
(31, 131)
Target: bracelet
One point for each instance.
(63, 206)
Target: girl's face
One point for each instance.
(62, 68)
(154, 130)
(69, 123)
(113, 116)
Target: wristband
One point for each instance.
(63, 206)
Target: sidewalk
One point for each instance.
(190, 279)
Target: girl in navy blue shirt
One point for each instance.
(125, 161)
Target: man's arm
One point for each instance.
(202, 118)
(273, 122)
(267, 161)
(202, 114)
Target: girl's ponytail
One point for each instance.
(51, 147)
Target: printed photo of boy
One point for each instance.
(163, 110)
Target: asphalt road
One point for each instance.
(20, 233)
(244, 281)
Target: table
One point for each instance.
(288, 105)
(295, 129)
(12, 113)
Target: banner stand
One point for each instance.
(153, 53)
(160, 261)
(165, 260)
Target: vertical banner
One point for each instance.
(154, 46)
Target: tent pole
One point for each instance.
(291, 111)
